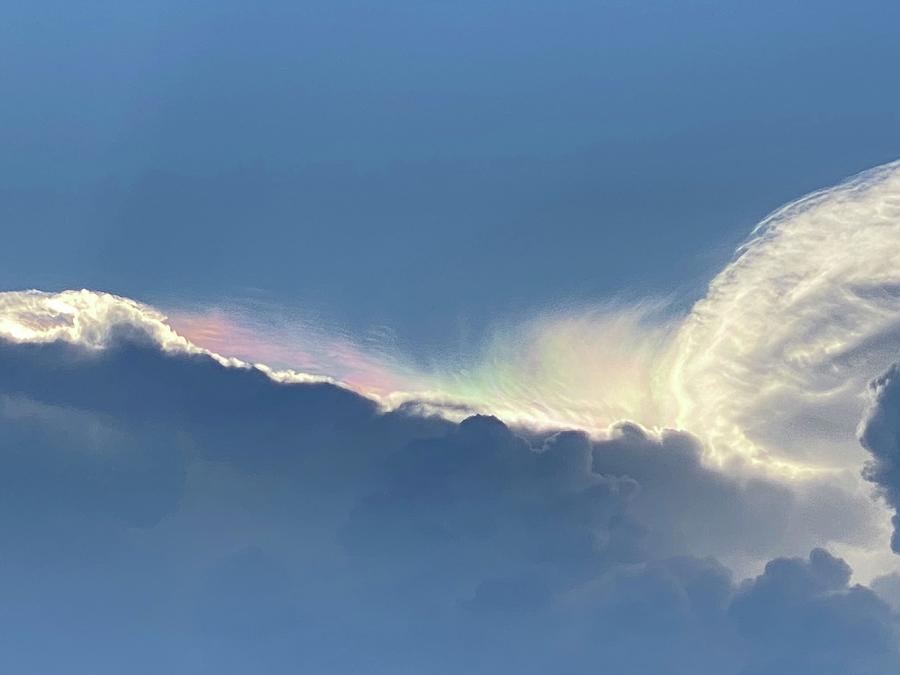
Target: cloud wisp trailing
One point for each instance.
(777, 356)
(770, 366)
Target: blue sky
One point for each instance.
(424, 166)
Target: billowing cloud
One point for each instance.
(164, 511)
(880, 434)
(212, 492)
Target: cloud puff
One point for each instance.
(800, 616)
(166, 512)
(880, 434)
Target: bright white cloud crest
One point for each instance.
(777, 356)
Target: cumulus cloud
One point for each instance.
(167, 512)
(801, 616)
(880, 434)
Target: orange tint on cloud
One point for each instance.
(290, 346)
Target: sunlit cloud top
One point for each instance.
(775, 359)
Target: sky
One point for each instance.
(427, 168)
(426, 337)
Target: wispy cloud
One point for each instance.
(770, 365)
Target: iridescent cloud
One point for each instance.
(769, 367)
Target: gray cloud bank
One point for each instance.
(164, 513)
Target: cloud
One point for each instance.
(801, 616)
(888, 589)
(880, 435)
(776, 356)
(769, 367)
(695, 508)
(170, 506)
(167, 512)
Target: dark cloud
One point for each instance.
(880, 435)
(166, 514)
(801, 616)
(691, 509)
